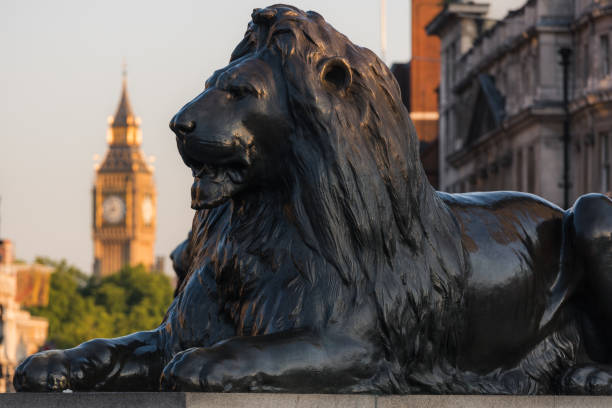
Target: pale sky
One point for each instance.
(60, 78)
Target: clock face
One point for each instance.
(113, 209)
(147, 210)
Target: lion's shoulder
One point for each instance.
(501, 200)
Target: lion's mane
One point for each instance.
(356, 222)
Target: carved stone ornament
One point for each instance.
(322, 261)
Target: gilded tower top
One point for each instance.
(124, 126)
(124, 138)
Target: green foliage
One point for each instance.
(82, 308)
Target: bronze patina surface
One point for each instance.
(322, 261)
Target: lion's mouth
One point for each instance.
(236, 175)
(214, 184)
(219, 167)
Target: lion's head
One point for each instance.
(302, 110)
(305, 158)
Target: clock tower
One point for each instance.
(124, 197)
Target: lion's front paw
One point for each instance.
(588, 380)
(43, 372)
(199, 369)
(183, 372)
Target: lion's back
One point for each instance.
(505, 225)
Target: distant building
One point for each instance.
(424, 71)
(20, 333)
(419, 80)
(160, 264)
(501, 97)
(6, 252)
(401, 71)
(124, 197)
(33, 281)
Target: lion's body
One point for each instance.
(509, 227)
(321, 260)
(513, 242)
(274, 293)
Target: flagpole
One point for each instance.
(383, 30)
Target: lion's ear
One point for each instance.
(336, 73)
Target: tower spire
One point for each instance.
(124, 115)
(124, 70)
(124, 94)
(124, 126)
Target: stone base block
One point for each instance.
(210, 400)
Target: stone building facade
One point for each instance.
(501, 97)
(20, 333)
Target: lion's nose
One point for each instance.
(182, 127)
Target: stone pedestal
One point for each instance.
(210, 400)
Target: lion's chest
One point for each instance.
(221, 300)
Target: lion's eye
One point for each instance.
(240, 91)
(282, 31)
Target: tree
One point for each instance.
(82, 308)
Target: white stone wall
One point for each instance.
(22, 333)
(521, 53)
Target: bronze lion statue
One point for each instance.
(321, 260)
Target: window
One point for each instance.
(519, 170)
(448, 145)
(526, 83)
(453, 57)
(586, 64)
(605, 55)
(531, 170)
(445, 79)
(604, 148)
(449, 70)
(585, 164)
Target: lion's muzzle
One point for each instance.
(217, 154)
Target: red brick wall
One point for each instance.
(424, 69)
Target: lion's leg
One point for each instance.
(132, 362)
(592, 234)
(592, 224)
(295, 361)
